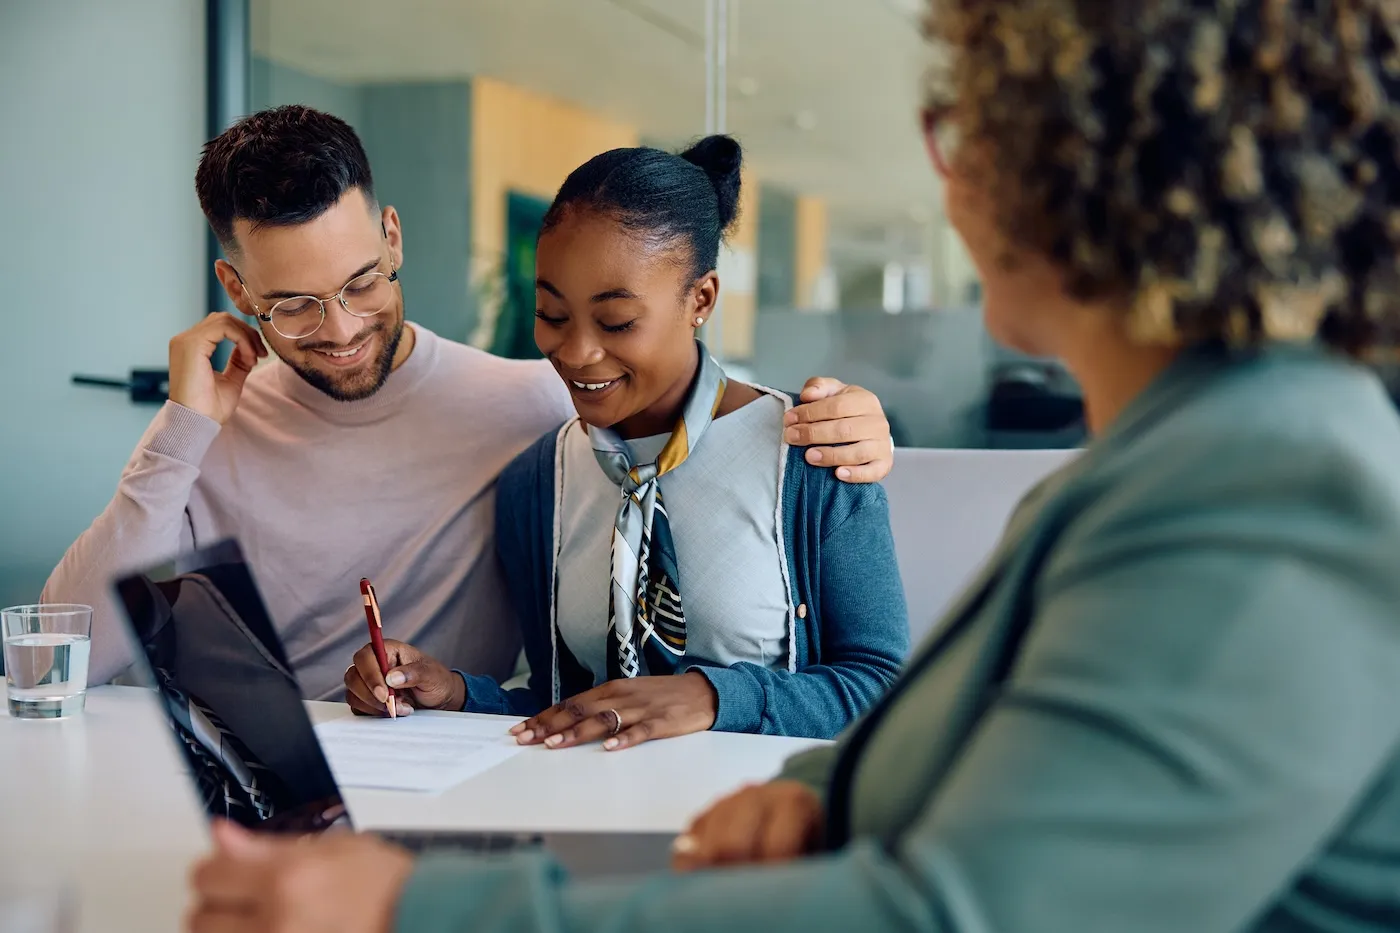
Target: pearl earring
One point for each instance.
(699, 321)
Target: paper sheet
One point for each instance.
(417, 753)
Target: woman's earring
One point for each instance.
(699, 321)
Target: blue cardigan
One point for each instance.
(848, 645)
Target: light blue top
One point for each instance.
(848, 628)
(723, 504)
(1171, 704)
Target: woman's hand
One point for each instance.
(625, 713)
(336, 881)
(420, 681)
(773, 822)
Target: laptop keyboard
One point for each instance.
(467, 843)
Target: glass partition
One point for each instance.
(841, 262)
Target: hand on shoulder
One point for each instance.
(845, 428)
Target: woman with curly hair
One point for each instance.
(1172, 700)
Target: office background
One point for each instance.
(472, 114)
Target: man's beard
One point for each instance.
(379, 370)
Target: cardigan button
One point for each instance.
(802, 611)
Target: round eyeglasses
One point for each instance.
(302, 315)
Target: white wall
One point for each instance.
(101, 249)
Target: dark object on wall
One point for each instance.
(147, 386)
(1033, 403)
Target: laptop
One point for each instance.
(232, 701)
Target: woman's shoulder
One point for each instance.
(814, 492)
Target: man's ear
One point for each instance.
(233, 286)
(393, 235)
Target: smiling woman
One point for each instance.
(707, 576)
(626, 274)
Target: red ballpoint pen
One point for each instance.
(376, 636)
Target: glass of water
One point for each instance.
(46, 659)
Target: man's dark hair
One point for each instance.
(689, 199)
(279, 167)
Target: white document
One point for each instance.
(416, 753)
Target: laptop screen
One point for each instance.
(229, 692)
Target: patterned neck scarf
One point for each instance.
(645, 617)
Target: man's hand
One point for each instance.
(833, 413)
(420, 681)
(773, 822)
(332, 883)
(625, 712)
(193, 381)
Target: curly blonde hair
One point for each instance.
(1230, 170)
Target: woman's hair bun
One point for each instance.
(721, 157)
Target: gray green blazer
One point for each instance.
(1170, 704)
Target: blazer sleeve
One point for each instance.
(864, 631)
(1201, 701)
(524, 541)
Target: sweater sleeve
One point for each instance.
(146, 521)
(864, 632)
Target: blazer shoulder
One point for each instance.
(1295, 459)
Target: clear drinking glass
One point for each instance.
(46, 659)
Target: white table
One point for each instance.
(103, 796)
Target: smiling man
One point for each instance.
(367, 446)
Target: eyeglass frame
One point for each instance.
(266, 316)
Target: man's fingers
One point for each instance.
(839, 431)
(221, 326)
(819, 387)
(239, 366)
(857, 454)
(845, 405)
(867, 473)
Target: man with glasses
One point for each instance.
(365, 447)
